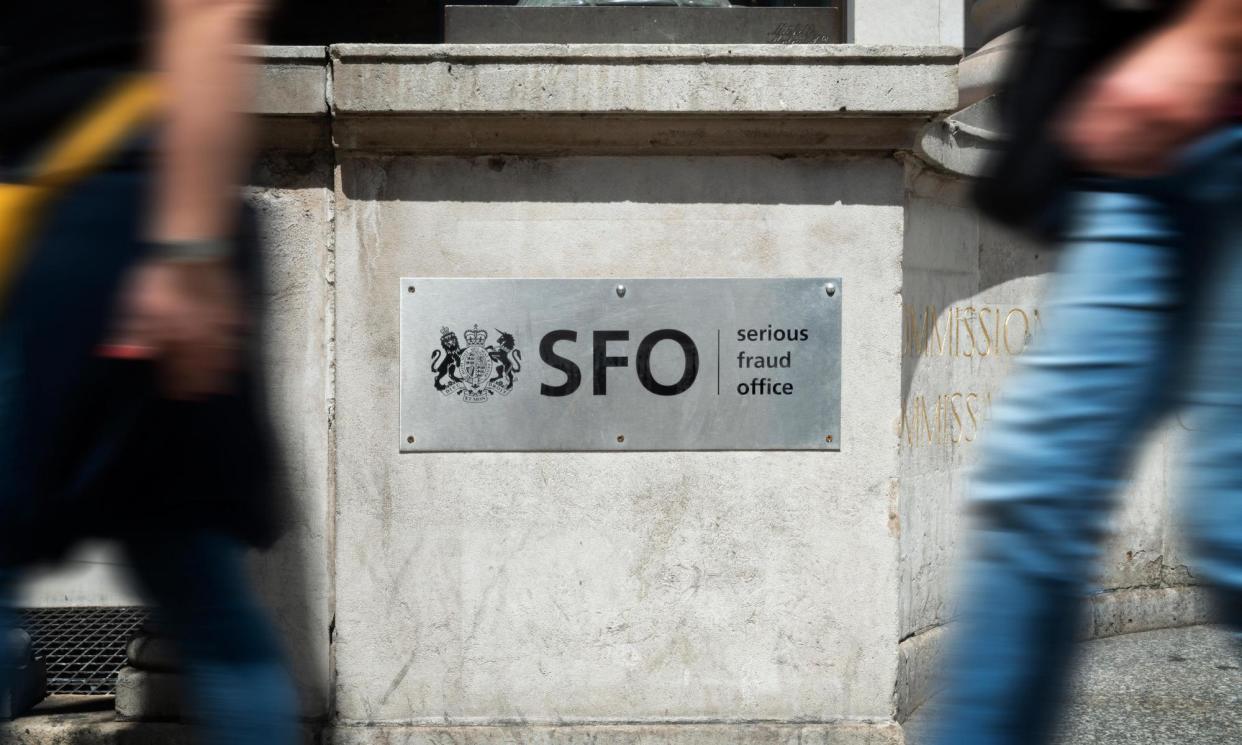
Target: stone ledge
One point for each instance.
(738, 53)
(838, 79)
(636, 98)
(600, 98)
(291, 97)
(293, 81)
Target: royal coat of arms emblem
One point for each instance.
(477, 371)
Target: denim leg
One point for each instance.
(238, 687)
(1073, 414)
(1213, 504)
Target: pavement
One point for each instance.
(1167, 687)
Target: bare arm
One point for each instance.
(1173, 86)
(181, 307)
(205, 137)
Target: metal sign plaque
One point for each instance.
(639, 364)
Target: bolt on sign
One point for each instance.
(638, 364)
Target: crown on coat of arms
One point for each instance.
(475, 336)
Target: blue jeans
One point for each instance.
(237, 686)
(1145, 317)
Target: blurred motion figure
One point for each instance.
(128, 282)
(1125, 145)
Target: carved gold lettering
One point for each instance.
(931, 329)
(949, 418)
(983, 327)
(967, 330)
(1026, 331)
(973, 346)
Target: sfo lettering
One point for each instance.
(602, 359)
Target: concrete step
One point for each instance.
(1152, 688)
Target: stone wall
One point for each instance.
(687, 597)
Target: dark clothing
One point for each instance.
(231, 662)
(55, 57)
(89, 448)
(1063, 41)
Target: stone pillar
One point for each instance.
(28, 676)
(681, 597)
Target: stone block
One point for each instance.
(147, 696)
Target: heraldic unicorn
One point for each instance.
(476, 372)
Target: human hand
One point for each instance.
(188, 317)
(1131, 118)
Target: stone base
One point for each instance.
(51, 724)
(1112, 613)
(840, 733)
(1130, 610)
(89, 720)
(147, 696)
(30, 687)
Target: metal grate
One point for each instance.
(83, 648)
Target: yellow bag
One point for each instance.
(95, 135)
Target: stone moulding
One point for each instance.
(602, 98)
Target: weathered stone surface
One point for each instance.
(981, 73)
(1130, 610)
(836, 733)
(648, 586)
(148, 696)
(292, 81)
(642, 78)
(292, 195)
(962, 142)
(93, 574)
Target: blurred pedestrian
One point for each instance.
(1126, 143)
(128, 278)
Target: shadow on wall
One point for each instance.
(971, 300)
(954, 261)
(291, 193)
(760, 180)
